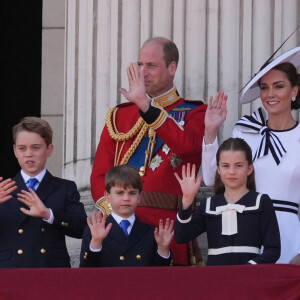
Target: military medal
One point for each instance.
(175, 160)
(155, 162)
(165, 149)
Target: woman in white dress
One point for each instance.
(275, 143)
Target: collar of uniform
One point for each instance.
(167, 99)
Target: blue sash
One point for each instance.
(178, 113)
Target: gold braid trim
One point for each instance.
(134, 145)
(139, 127)
(112, 128)
(158, 121)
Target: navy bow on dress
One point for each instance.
(256, 123)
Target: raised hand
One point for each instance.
(36, 207)
(215, 116)
(164, 235)
(6, 188)
(189, 184)
(136, 93)
(98, 230)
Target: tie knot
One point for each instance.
(264, 129)
(32, 183)
(124, 225)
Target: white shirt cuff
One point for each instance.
(51, 218)
(95, 250)
(166, 257)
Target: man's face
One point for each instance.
(123, 201)
(32, 152)
(157, 76)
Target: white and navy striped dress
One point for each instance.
(277, 174)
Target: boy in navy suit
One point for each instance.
(37, 210)
(107, 242)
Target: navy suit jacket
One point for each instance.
(138, 249)
(29, 242)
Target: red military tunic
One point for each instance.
(161, 191)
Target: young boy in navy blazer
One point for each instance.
(108, 243)
(37, 210)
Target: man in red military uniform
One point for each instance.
(157, 132)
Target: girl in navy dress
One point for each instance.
(241, 224)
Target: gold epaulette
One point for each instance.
(104, 206)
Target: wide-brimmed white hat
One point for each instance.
(252, 89)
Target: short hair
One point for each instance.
(34, 124)
(125, 176)
(234, 144)
(170, 50)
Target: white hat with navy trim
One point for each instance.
(252, 89)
